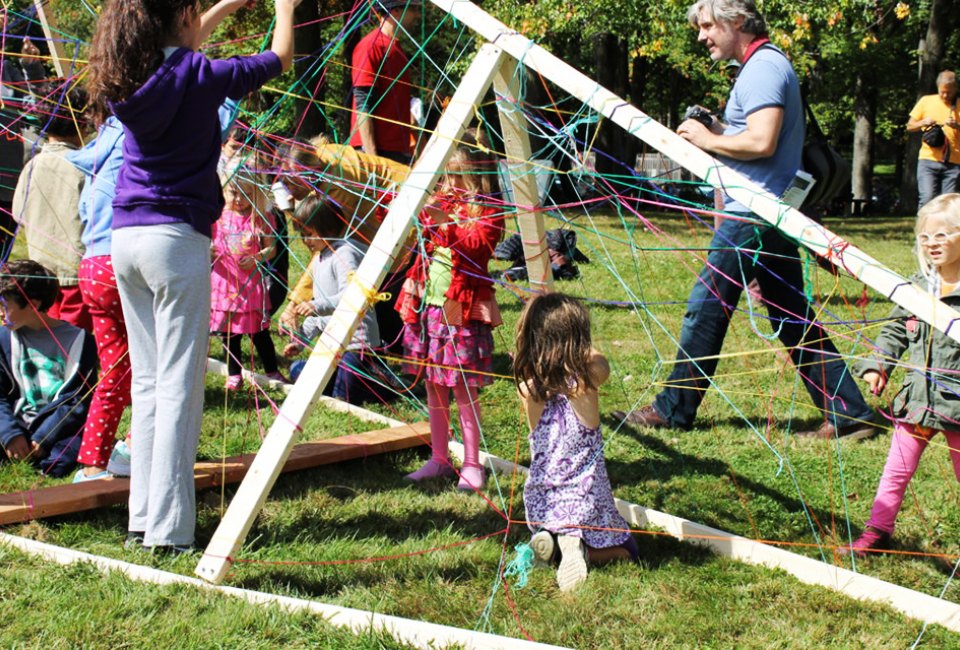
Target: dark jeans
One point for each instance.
(741, 251)
(355, 380)
(936, 178)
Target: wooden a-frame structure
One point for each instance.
(499, 63)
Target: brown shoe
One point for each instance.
(855, 431)
(646, 416)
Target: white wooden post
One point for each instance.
(790, 221)
(322, 363)
(516, 141)
(53, 42)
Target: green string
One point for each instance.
(520, 565)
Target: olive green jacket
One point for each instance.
(930, 395)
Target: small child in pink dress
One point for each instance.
(242, 240)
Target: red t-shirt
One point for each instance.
(379, 64)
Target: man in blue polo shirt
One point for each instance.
(761, 137)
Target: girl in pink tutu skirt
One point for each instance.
(243, 239)
(448, 308)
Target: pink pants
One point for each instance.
(906, 446)
(112, 393)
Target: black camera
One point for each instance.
(700, 114)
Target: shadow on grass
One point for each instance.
(422, 511)
(669, 463)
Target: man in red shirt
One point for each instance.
(380, 123)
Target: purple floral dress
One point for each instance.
(568, 491)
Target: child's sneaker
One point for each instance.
(276, 375)
(545, 549)
(134, 541)
(119, 463)
(80, 477)
(431, 469)
(234, 382)
(871, 540)
(472, 477)
(573, 562)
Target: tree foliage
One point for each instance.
(834, 46)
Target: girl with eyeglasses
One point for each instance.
(929, 401)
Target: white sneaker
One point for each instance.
(544, 547)
(573, 562)
(119, 463)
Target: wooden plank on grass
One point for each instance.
(17, 507)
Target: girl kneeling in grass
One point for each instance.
(568, 499)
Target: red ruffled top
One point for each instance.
(471, 240)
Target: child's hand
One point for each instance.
(435, 209)
(247, 263)
(18, 448)
(288, 320)
(38, 452)
(875, 380)
(291, 350)
(304, 309)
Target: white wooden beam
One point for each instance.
(914, 604)
(419, 634)
(54, 42)
(789, 220)
(522, 173)
(386, 245)
(220, 368)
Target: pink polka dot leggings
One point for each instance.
(98, 286)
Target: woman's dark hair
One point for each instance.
(128, 47)
(318, 214)
(23, 281)
(553, 347)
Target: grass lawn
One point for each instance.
(354, 534)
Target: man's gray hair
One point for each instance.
(946, 77)
(728, 11)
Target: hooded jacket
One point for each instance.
(172, 138)
(100, 161)
(57, 426)
(930, 395)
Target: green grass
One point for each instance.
(357, 535)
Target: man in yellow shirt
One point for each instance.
(938, 168)
(361, 186)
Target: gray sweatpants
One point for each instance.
(163, 274)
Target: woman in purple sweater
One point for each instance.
(144, 68)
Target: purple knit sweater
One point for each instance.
(173, 139)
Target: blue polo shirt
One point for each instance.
(767, 79)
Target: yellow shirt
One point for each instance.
(355, 181)
(932, 107)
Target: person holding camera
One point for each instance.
(938, 164)
(761, 137)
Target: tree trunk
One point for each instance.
(610, 60)
(865, 117)
(932, 49)
(309, 120)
